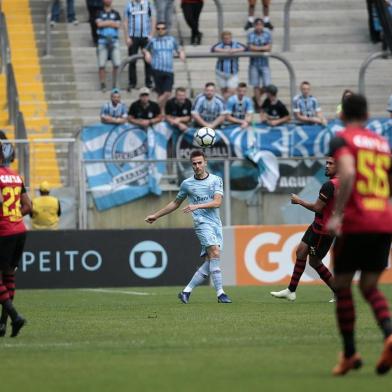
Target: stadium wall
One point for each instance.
(252, 255)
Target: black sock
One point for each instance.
(4, 316)
(386, 326)
(349, 345)
(11, 311)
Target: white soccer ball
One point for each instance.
(205, 137)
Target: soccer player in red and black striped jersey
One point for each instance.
(316, 241)
(14, 203)
(362, 220)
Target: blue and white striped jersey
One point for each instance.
(162, 50)
(239, 108)
(139, 15)
(308, 106)
(105, 33)
(209, 110)
(228, 66)
(265, 38)
(119, 111)
(200, 192)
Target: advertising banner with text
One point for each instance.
(266, 255)
(108, 258)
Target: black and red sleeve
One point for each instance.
(327, 191)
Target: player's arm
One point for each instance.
(26, 205)
(172, 206)
(317, 206)
(215, 203)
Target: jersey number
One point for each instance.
(11, 203)
(374, 168)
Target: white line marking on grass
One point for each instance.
(36, 345)
(118, 292)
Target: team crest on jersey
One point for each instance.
(124, 144)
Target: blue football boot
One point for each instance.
(184, 297)
(224, 299)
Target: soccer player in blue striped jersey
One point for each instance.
(209, 108)
(139, 27)
(159, 52)
(204, 192)
(227, 67)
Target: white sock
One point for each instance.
(251, 19)
(266, 19)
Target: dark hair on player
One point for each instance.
(198, 153)
(242, 84)
(355, 108)
(209, 84)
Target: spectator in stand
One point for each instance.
(192, 10)
(273, 111)
(178, 110)
(259, 40)
(94, 7)
(55, 14)
(114, 112)
(46, 211)
(227, 67)
(144, 112)
(251, 14)
(159, 52)
(139, 27)
(165, 11)
(389, 108)
(306, 108)
(209, 109)
(108, 24)
(346, 93)
(239, 107)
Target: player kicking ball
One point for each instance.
(204, 191)
(316, 241)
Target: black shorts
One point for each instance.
(11, 249)
(163, 81)
(367, 252)
(319, 244)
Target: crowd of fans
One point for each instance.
(147, 25)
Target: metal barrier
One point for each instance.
(364, 66)
(48, 29)
(286, 26)
(276, 56)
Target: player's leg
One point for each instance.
(299, 268)
(379, 248)
(199, 277)
(213, 252)
(266, 7)
(345, 265)
(316, 255)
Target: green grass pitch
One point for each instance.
(86, 340)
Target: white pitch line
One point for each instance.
(118, 292)
(36, 345)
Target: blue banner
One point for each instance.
(116, 183)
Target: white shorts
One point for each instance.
(209, 235)
(226, 80)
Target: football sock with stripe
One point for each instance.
(345, 314)
(9, 283)
(299, 269)
(216, 276)
(325, 275)
(379, 305)
(198, 278)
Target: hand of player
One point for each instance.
(151, 218)
(190, 208)
(334, 225)
(294, 198)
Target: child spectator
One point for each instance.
(227, 67)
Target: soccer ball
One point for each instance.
(205, 137)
